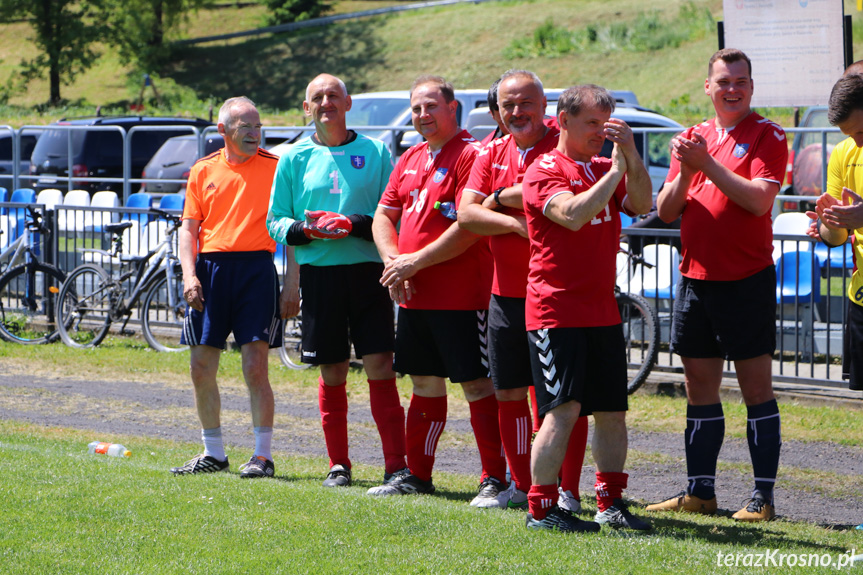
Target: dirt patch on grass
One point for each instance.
(819, 475)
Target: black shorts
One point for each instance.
(508, 348)
(583, 364)
(241, 295)
(732, 320)
(852, 354)
(442, 343)
(344, 304)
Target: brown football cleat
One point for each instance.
(685, 502)
(757, 509)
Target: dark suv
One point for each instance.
(28, 141)
(98, 153)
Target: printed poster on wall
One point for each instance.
(796, 47)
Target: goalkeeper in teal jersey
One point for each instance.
(325, 192)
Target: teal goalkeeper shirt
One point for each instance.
(348, 179)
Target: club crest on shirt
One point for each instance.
(358, 161)
(439, 175)
(740, 150)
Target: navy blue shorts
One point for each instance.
(508, 348)
(241, 295)
(734, 320)
(442, 343)
(344, 304)
(583, 364)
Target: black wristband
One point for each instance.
(361, 226)
(296, 236)
(497, 195)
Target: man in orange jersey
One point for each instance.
(230, 282)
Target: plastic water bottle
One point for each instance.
(447, 209)
(105, 448)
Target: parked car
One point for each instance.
(480, 123)
(28, 141)
(394, 109)
(173, 161)
(807, 158)
(99, 153)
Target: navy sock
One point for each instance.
(764, 433)
(705, 430)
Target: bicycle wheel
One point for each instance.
(641, 332)
(291, 352)
(27, 313)
(84, 307)
(162, 313)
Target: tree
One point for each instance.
(65, 34)
(139, 27)
(286, 11)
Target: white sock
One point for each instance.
(263, 442)
(213, 445)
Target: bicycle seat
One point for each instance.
(118, 227)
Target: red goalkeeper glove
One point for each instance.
(323, 225)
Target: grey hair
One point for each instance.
(339, 80)
(225, 111)
(577, 97)
(515, 73)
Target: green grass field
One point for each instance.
(65, 511)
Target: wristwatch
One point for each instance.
(497, 195)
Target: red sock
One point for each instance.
(570, 471)
(609, 486)
(333, 402)
(515, 431)
(540, 499)
(534, 408)
(486, 430)
(389, 415)
(426, 421)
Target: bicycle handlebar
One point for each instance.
(37, 223)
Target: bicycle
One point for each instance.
(291, 352)
(640, 327)
(91, 299)
(27, 289)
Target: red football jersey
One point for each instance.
(721, 240)
(501, 164)
(417, 182)
(572, 273)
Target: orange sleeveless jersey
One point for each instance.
(231, 202)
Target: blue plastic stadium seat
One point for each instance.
(18, 216)
(139, 200)
(173, 202)
(835, 258)
(797, 279)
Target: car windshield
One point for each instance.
(818, 119)
(174, 152)
(54, 143)
(376, 111)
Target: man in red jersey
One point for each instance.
(440, 275)
(494, 111)
(492, 206)
(725, 174)
(230, 282)
(572, 199)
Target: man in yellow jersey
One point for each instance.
(840, 209)
(230, 282)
